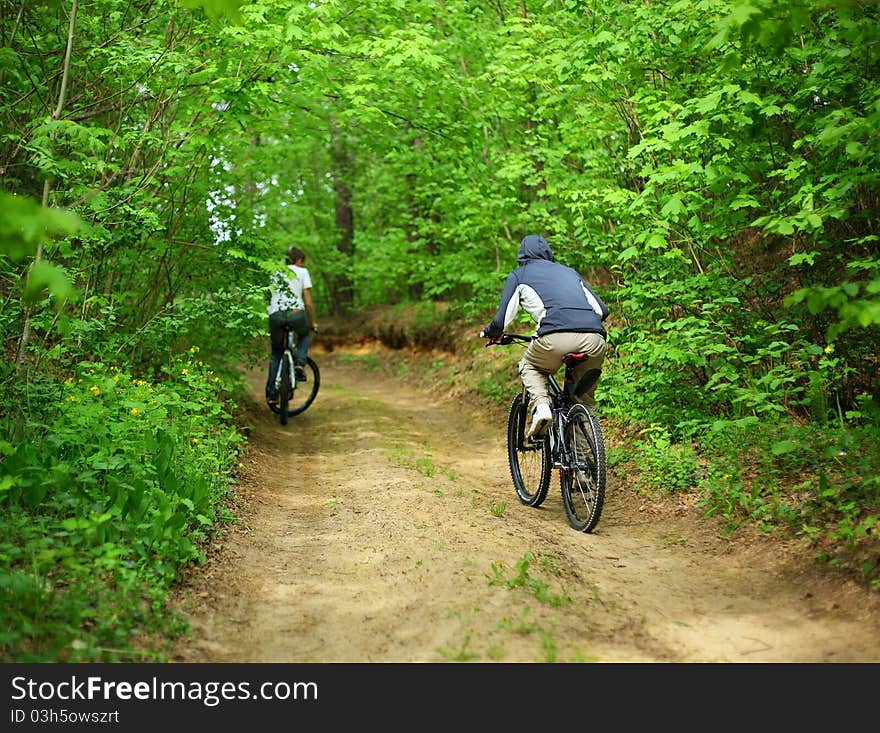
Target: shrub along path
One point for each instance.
(381, 526)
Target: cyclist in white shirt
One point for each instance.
(291, 306)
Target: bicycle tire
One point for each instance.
(583, 480)
(304, 393)
(529, 459)
(284, 390)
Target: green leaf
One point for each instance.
(25, 224)
(783, 446)
(673, 208)
(43, 279)
(799, 258)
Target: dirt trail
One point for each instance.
(370, 532)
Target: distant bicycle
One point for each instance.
(573, 443)
(294, 396)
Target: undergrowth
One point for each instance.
(109, 485)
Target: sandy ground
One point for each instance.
(381, 526)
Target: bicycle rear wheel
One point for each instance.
(583, 481)
(284, 389)
(304, 392)
(529, 459)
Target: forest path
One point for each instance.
(367, 534)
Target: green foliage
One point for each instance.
(216, 8)
(25, 225)
(855, 305)
(110, 485)
(800, 477)
(668, 466)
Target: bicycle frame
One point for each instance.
(560, 404)
(299, 393)
(288, 357)
(561, 400)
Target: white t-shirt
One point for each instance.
(287, 288)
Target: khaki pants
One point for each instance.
(544, 356)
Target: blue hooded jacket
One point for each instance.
(555, 296)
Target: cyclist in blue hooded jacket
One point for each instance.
(569, 318)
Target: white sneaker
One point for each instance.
(540, 420)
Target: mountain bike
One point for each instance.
(573, 443)
(294, 396)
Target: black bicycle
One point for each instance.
(294, 395)
(572, 443)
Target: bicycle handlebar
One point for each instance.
(506, 338)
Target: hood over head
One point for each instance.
(534, 247)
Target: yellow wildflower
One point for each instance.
(185, 372)
(68, 381)
(134, 411)
(95, 390)
(829, 349)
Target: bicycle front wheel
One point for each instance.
(305, 391)
(529, 459)
(583, 481)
